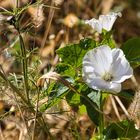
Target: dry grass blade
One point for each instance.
(50, 75)
(33, 134)
(122, 106)
(50, 17)
(115, 107)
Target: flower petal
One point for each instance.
(115, 87)
(100, 84)
(97, 84)
(121, 68)
(88, 70)
(95, 24)
(107, 21)
(100, 59)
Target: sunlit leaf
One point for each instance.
(92, 109)
(73, 54)
(82, 109)
(65, 69)
(73, 99)
(95, 97)
(131, 49)
(55, 97)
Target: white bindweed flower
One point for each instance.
(105, 69)
(104, 22)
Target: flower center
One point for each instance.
(107, 77)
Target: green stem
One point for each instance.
(24, 66)
(101, 117)
(23, 54)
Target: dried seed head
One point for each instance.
(58, 2)
(71, 20)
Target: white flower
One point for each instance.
(104, 22)
(105, 69)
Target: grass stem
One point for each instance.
(24, 66)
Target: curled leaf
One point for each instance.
(46, 77)
(56, 77)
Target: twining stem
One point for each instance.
(24, 66)
(50, 18)
(101, 117)
(101, 121)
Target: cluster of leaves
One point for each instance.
(70, 67)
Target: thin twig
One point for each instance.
(50, 17)
(19, 108)
(115, 107)
(17, 3)
(136, 85)
(122, 106)
(1, 133)
(37, 104)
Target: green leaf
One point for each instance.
(91, 102)
(95, 97)
(73, 54)
(55, 96)
(55, 93)
(87, 44)
(73, 99)
(92, 109)
(131, 49)
(65, 70)
(82, 109)
(123, 129)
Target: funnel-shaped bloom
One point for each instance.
(104, 22)
(105, 69)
